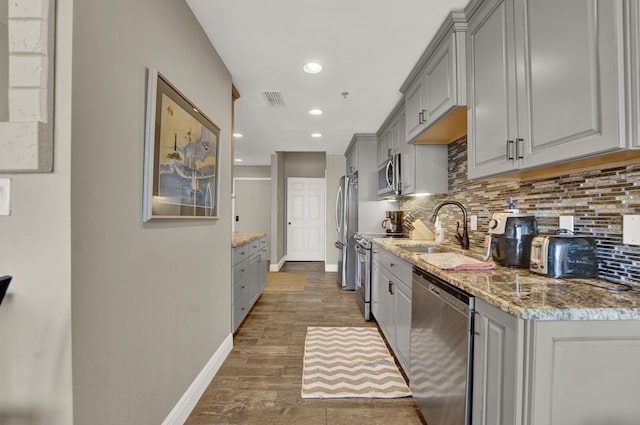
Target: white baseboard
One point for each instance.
(187, 402)
(330, 267)
(278, 266)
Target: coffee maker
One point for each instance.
(393, 221)
(510, 236)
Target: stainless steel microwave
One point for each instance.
(389, 177)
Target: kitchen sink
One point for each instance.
(423, 249)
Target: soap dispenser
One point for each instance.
(439, 232)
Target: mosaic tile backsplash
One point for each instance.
(596, 199)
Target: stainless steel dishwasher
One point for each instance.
(441, 350)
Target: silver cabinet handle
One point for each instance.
(391, 290)
(519, 150)
(510, 149)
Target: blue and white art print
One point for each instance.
(185, 158)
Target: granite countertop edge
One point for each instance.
(527, 295)
(242, 238)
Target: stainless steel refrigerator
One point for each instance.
(346, 227)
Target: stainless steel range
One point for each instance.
(363, 268)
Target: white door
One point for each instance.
(305, 219)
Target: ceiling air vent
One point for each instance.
(273, 97)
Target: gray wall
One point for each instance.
(150, 303)
(253, 206)
(336, 166)
(35, 317)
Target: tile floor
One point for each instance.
(259, 383)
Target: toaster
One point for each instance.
(564, 256)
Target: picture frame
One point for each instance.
(181, 156)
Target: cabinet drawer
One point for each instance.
(395, 265)
(240, 290)
(240, 253)
(241, 272)
(254, 246)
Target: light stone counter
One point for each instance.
(241, 238)
(529, 295)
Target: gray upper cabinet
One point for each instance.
(352, 159)
(437, 84)
(423, 168)
(634, 72)
(544, 82)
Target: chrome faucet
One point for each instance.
(464, 237)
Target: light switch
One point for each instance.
(474, 222)
(566, 222)
(5, 196)
(631, 229)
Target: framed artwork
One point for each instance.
(181, 156)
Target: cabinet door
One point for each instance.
(494, 367)
(254, 278)
(387, 307)
(376, 306)
(408, 167)
(584, 372)
(352, 158)
(403, 326)
(492, 119)
(634, 89)
(439, 84)
(414, 109)
(262, 273)
(395, 135)
(569, 100)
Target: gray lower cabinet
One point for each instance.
(549, 372)
(391, 302)
(249, 278)
(494, 366)
(545, 82)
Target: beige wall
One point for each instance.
(150, 302)
(278, 218)
(35, 321)
(304, 164)
(252, 171)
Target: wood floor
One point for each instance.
(259, 383)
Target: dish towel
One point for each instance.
(453, 261)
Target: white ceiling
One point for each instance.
(367, 48)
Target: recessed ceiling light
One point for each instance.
(238, 159)
(237, 135)
(312, 68)
(316, 135)
(315, 112)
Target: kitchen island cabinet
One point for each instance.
(249, 273)
(391, 302)
(547, 351)
(545, 83)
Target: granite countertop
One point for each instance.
(241, 238)
(529, 295)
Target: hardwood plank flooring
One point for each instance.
(259, 383)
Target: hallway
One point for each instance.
(259, 383)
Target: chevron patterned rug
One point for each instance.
(349, 362)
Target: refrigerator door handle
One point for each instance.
(338, 198)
